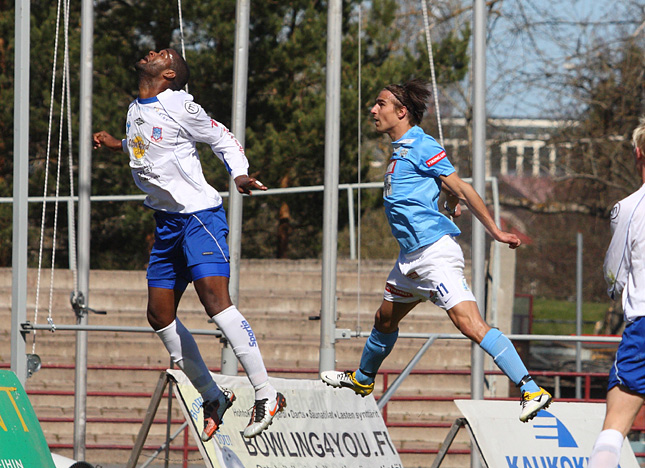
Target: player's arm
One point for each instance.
(223, 143)
(467, 194)
(617, 259)
(103, 138)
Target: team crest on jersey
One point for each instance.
(614, 211)
(404, 152)
(435, 159)
(191, 107)
(139, 121)
(156, 134)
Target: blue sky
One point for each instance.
(527, 67)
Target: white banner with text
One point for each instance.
(560, 437)
(321, 427)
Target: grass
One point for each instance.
(553, 317)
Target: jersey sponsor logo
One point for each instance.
(156, 134)
(614, 211)
(214, 123)
(146, 174)
(191, 107)
(127, 127)
(139, 146)
(435, 159)
(207, 253)
(139, 121)
(396, 291)
(464, 284)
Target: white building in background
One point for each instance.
(519, 147)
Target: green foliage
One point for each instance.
(553, 317)
(285, 115)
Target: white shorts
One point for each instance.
(434, 273)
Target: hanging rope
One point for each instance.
(432, 71)
(181, 34)
(65, 104)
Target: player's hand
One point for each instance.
(245, 184)
(103, 138)
(511, 239)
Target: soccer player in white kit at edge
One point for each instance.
(430, 264)
(624, 269)
(163, 124)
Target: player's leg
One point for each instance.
(207, 256)
(166, 284)
(466, 317)
(377, 347)
(399, 298)
(625, 396)
(213, 293)
(622, 407)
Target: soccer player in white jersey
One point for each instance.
(430, 264)
(162, 126)
(624, 270)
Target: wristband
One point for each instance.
(446, 207)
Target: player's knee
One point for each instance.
(385, 323)
(157, 320)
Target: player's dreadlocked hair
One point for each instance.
(412, 95)
(182, 72)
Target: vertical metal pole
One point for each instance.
(84, 215)
(330, 215)
(352, 226)
(579, 314)
(20, 190)
(235, 205)
(479, 183)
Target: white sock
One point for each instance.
(606, 450)
(239, 334)
(184, 352)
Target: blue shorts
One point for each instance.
(188, 247)
(628, 369)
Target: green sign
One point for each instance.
(22, 442)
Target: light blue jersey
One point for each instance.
(411, 191)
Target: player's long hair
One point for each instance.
(413, 95)
(182, 72)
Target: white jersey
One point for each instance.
(161, 136)
(624, 266)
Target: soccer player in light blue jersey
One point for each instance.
(162, 128)
(430, 264)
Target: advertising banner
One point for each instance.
(22, 443)
(321, 427)
(560, 437)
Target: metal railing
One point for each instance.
(184, 446)
(70, 201)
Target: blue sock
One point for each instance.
(505, 356)
(376, 349)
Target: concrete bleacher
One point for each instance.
(279, 298)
